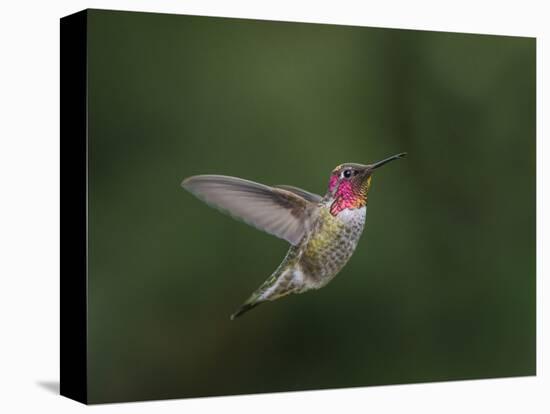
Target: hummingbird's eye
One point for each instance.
(347, 173)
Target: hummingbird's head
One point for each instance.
(349, 183)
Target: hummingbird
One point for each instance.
(323, 232)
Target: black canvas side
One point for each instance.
(73, 127)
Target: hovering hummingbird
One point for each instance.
(323, 231)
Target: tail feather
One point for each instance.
(244, 308)
(266, 292)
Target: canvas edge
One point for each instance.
(73, 206)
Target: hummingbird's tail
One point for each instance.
(244, 308)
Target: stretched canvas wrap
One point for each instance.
(216, 175)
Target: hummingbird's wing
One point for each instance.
(275, 210)
(314, 198)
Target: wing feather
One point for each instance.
(277, 211)
(314, 198)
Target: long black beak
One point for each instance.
(385, 161)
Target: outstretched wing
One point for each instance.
(274, 210)
(314, 198)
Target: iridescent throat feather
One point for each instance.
(350, 195)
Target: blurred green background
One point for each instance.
(442, 285)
